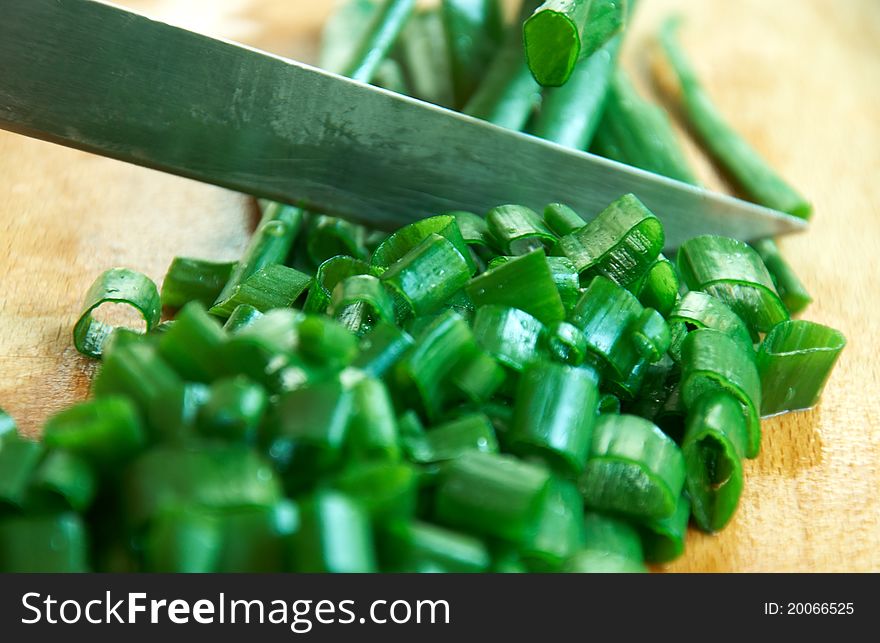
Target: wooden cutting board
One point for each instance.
(801, 78)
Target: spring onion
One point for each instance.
(274, 286)
(24, 540)
(334, 536)
(663, 539)
(426, 57)
(194, 280)
(794, 361)
(427, 548)
(511, 335)
(473, 30)
(560, 529)
(377, 39)
(611, 545)
(450, 440)
(329, 274)
(234, 409)
(19, 458)
(699, 310)
(790, 288)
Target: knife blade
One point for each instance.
(109, 81)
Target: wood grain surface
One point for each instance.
(801, 78)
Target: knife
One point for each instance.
(109, 81)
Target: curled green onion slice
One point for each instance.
(510, 335)
(120, 286)
(732, 271)
(622, 243)
(790, 288)
(658, 287)
(372, 430)
(243, 316)
(663, 539)
(524, 282)
(794, 361)
(699, 310)
(359, 302)
(409, 237)
(194, 280)
(474, 229)
(329, 237)
(633, 468)
(329, 274)
(711, 360)
(381, 348)
(519, 230)
(561, 219)
(274, 286)
(564, 276)
(715, 440)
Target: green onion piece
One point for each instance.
(64, 477)
(474, 229)
(715, 440)
(242, 317)
(104, 431)
(428, 275)
(508, 94)
(330, 273)
(452, 439)
(699, 310)
(139, 373)
(256, 540)
(621, 243)
(194, 280)
(711, 360)
(270, 244)
(120, 286)
(633, 468)
(492, 495)
(510, 335)
(308, 430)
(274, 286)
(372, 429)
(328, 237)
(263, 349)
(658, 288)
(560, 529)
(608, 403)
(343, 30)
(402, 242)
(359, 302)
(566, 343)
(639, 133)
(752, 173)
(554, 415)
(732, 271)
(791, 290)
(657, 381)
(19, 458)
(211, 476)
(663, 539)
(192, 345)
(795, 360)
(607, 18)
(381, 348)
(611, 545)
(420, 547)
(479, 377)
(185, 540)
(234, 409)
(564, 274)
(518, 229)
(325, 343)
(552, 37)
(423, 374)
(424, 54)
(617, 331)
(378, 39)
(562, 220)
(474, 30)
(386, 491)
(42, 544)
(523, 282)
(651, 334)
(570, 115)
(334, 536)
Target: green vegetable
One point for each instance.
(19, 458)
(120, 286)
(473, 30)
(716, 437)
(561, 219)
(452, 439)
(610, 546)
(663, 539)
(427, 548)
(234, 409)
(426, 57)
(63, 480)
(792, 292)
(658, 287)
(24, 540)
(334, 536)
(328, 237)
(510, 335)
(699, 310)
(359, 302)
(639, 133)
(330, 273)
(274, 286)
(194, 280)
(192, 346)
(734, 273)
(519, 230)
(795, 361)
(752, 173)
(560, 529)
(378, 39)
(633, 469)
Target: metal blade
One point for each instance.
(102, 79)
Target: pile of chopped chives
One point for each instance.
(503, 391)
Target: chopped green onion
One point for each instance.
(185, 540)
(564, 275)
(452, 439)
(658, 288)
(699, 310)
(328, 237)
(621, 243)
(479, 377)
(274, 286)
(408, 238)
(608, 403)
(715, 440)
(381, 348)
(561, 219)
(566, 343)
(732, 271)
(492, 495)
(560, 530)
(192, 345)
(425, 56)
(343, 31)
(753, 174)
(523, 282)
(65, 477)
(386, 491)
(518, 229)
(52, 543)
(121, 286)
(611, 545)
(510, 335)
(372, 429)
(19, 458)
(474, 229)
(243, 316)
(795, 360)
(711, 360)
(791, 290)
(426, 548)
(330, 273)
(234, 409)
(359, 302)
(334, 536)
(473, 30)
(663, 539)
(194, 280)
(633, 468)
(554, 415)
(378, 39)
